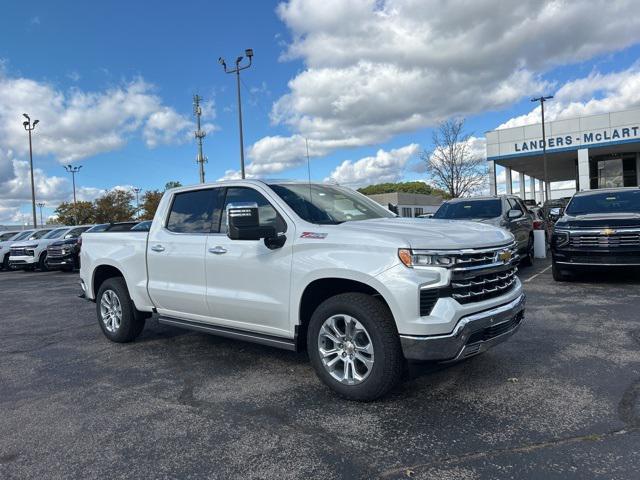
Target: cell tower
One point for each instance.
(200, 134)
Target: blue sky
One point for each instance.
(311, 59)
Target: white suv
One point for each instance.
(32, 252)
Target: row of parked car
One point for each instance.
(52, 248)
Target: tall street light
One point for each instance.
(73, 170)
(29, 127)
(547, 187)
(137, 191)
(40, 206)
(249, 53)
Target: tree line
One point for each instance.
(115, 205)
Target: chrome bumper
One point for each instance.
(472, 335)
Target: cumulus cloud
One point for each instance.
(395, 66)
(593, 94)
(385, 166)
(75, 124)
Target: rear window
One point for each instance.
(605, 202)
(470, 209)
(197, 211)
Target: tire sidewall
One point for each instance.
(366, 390)
(127, 324)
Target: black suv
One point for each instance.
(506, 211)
(597, 228)
(65, 254)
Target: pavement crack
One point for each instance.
(400, 472)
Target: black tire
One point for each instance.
(5, 262)
(527, 261)
(558, 274)
(132, 321)
(376, 318)
(42, 262)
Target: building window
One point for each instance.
(610, 171)
(418, 211)
(406, 212)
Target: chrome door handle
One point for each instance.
(218, 250)
(157, 248)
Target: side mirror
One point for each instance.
(513, 214)
(243, 223)
(556, 212)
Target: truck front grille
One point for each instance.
(20, 252)
(53, 252)
(428, 299)
(488, 284)
(598, 240)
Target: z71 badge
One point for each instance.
(314, 235)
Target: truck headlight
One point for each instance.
(560, 238)
(413, 259)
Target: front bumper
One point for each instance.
(18, 261)
(597, 257)
(61, 261)
(473, 334)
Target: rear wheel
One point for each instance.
(5, 262)
(528, 259)
(354, 346)
(117, 316)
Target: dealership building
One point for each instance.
(595, 151)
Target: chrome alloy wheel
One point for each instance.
(111, 311)
(345, 349)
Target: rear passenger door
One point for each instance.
(519, 226)
(176, 254)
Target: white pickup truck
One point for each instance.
(316, 266)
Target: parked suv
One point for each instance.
(30, 253)
(6, 239)
(65, 254)
(598, 228)
(506, 211)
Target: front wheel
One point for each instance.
(527, 261)
(117, 316)
(42, 262)
(354, 346)
(558, 274)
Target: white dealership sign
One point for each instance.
(561, 135)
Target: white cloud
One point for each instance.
(385, 166)
(595, 93)
(394, 66)
(75, 124)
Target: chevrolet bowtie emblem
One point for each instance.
(504, 256)
(608, 231)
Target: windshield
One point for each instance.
(470, 209)
(55, 233)
(605, 202)
(23, 235)
(38, 235)
(6, 236)
(329, 204)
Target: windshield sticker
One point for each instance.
(314, 235)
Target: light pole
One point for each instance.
(40, 206)
(73, 170)
(200, 134)
(547, 187)
(249, 53)
(29, 127)
(137, 191)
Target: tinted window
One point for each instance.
(142, 226)
(514, 205)
(23, 235)
(268, 215)
(38, 235)
(605, 202)
(196, 211)
(55, 233)
(467, 209)
(120, 227)
(75, 233)
(6, 236)
(98, 228)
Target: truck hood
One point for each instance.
(434, 234)
(612, 220)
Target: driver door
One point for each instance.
(248, 285)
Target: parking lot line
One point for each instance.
(539, 273)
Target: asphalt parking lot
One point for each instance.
(561, 399)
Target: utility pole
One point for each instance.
(199, 133)
(547, 187)
(249, 53)
(73, 170)
(29, 127)
(41, 205)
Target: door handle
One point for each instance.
(157, 248)
(218, 250)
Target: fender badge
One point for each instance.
(314, 235)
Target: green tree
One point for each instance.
(114, 206)
(79, 213)
(172, 184)
(149, 205)
(405, 187)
